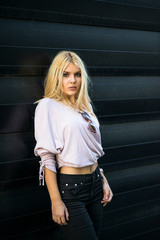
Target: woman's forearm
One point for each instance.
(51, 182)
(60, 213)
(104, 178)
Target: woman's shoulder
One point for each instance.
(47, 102)
(47, 105)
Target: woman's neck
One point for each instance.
(72, 99)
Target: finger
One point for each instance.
(104, 202)
(63, 221)
(105, 199)
(59, 221)
(107, 195)
(67, 214)
(54, 219)
(110, 196)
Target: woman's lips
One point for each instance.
(72, 88)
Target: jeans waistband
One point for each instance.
(79, 177)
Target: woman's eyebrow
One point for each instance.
(75, 72)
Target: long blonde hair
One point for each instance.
(53, 81)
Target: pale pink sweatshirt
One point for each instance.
(64, 138)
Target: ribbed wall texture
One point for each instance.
(120, 43)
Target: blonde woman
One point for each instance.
(69, 145)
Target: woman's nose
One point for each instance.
(72, 78)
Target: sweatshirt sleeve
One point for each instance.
(48, 139)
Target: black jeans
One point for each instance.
(82, 195)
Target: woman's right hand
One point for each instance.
(60, 213)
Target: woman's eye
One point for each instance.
(65, 74)
(78, 74)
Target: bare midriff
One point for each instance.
(82, 170)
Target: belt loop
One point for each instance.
(98, 172)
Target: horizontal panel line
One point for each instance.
(17, 179)
(3, 197)
(12, 133)
(15, 104)
(17, 133)
(131, 160)
(132, 144)
(24, 215)
(137, 189)
(130, 206)
(80, 49)
(66, 14)
(21, 160)
(40, 66)
(132, 83)
(128, 114)
(126, 99)
(133, 220)
(23, 235)
(142, 233)
(20, 85)
(134, 174)
(129, 4)
(131, 128)
(102, 67)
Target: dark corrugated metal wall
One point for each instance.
(119, 42)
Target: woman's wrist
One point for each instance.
(104, 179)
(56, 199)
(103, 176)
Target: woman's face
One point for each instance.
(71, 81)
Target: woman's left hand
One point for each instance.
(107, 192)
